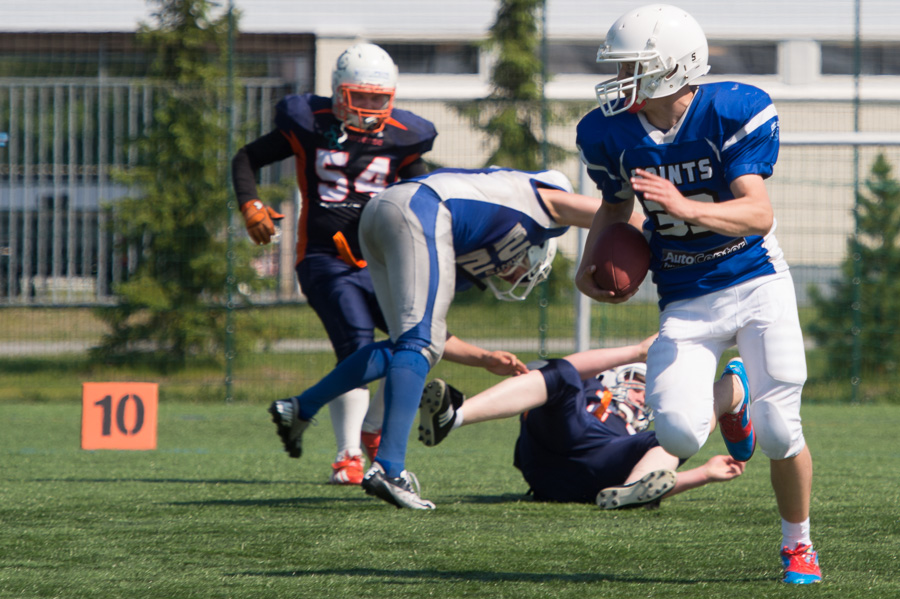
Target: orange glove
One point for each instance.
(259, 219)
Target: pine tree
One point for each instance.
(170, 306)
(874, 258)
(511, 115)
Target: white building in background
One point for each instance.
(792, 48)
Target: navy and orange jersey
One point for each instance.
(338, 176)
(564, 451)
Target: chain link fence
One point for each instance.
(65, 140)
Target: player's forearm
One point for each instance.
(570, 209)
(718, 468)
(270, 148)
(690, 479)
(243, 178)
(461, 352)
(592, 362)
(736, 218)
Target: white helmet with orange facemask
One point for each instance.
(363, 85)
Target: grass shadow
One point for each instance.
(487, 576)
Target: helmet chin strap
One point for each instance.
(636, 107)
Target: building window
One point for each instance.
(875, 59)
(743, 59)
(434, 59)
(724, 59)
(576, 59)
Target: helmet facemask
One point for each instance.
(530, 268)
(623, 93)
(623, 380)
(357, 107)
(667, 48)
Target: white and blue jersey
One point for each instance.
(497, 214)
(416, 236)
(729, 130)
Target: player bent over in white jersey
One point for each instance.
(423, 240)
(696, 157)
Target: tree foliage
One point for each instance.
(863, 305)
(171, 304)
(511, 116)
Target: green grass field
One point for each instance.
(218, 510)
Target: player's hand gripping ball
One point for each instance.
(622, 257)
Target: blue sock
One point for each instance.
(402, 394)
(359, 368)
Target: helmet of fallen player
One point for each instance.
(526, 271)
(658, 49)
(362, 86)
(620, 381)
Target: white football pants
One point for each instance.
(760, 316)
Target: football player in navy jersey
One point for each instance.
(448, 230)
(583, 429)
(346, 148)
(696, 158)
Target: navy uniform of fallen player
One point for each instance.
(581, 441)
(696, 157)
(496, 226)
(583, 428)
(346, 148)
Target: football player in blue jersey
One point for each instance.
(583, 429)
(424, 239)
(346, 148)
(696, 158)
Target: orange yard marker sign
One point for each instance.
(118, 415)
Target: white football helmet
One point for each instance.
(667, 49)
(619, 381)
(529, 269)
(363, 69)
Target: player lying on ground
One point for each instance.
(583, 437)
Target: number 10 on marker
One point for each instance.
(119, 416)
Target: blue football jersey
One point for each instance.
(496, 213)
(729, 130)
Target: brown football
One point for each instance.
(622, 257)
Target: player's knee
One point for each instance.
(778, 438)
(676, 435)
(432, 353)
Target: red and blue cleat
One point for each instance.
(801, 565)
(737, 429)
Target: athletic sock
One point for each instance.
(347, 414)
(402, 394)
(794, 533)
(457, 420)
